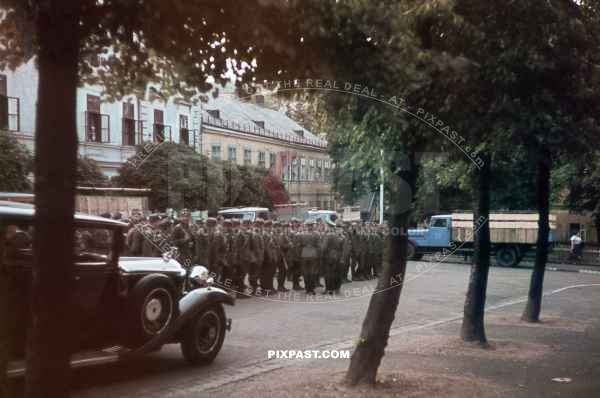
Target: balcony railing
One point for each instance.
(161, 132)
(189, 137)
(10, 110)
(97, 127)
(132, 132)
(256, 130)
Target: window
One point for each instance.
(3, 85)
(259, 123)
(214, 113)
(129, 136)
(159, 127)
(184, 132)
(247, 156)
(272, 157)
(97, 128)
(216, 152)
(300, 133)
(440, 222)
(261, 159)
(232, 157)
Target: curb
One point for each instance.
(580, 271)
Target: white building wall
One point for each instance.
(23, 83)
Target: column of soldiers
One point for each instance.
(258, 257)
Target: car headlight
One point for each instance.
(201, 275)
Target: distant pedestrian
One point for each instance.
(576, 246)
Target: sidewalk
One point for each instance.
(522, 361)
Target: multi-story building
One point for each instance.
(225, 128)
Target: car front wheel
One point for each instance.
(203, 337)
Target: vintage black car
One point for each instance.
(124, 306)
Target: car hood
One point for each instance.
(150, 264)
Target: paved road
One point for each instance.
(430, 294)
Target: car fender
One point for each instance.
(190, 305)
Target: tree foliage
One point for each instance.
(15, 164)
(89, 173)
(179, 177)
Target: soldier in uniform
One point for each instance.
(152, 236)
(236, 244)
(257, 250)
(378, 256)
(295, 264)
(356, 252)
(310, 258)
(285, 247)
(211, 226)
(332, 258)
(271, 257)
(135, 237)
(226, 258)
(246, 257)
(183, 238)
(346, 252)
(202, 244)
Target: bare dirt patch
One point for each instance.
(551, 321)
(444, 345)
(408, 383)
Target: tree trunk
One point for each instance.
(534, 301)
(473, 327)
(48, 337)
(597, 225)
(5, 319)
(384, 301)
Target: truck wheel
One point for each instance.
(203, 337)
(507, 257)
(151, 310)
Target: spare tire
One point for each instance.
(151, 308)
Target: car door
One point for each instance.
(93, 276)
(439, 232)
(16, 258)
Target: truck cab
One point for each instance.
(438, 234)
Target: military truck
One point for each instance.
(512, 236)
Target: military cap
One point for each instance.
(276, 223)
(211, 220)
(227, 223)
(259, 221)
(268, 223)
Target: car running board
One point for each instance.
(80, 360)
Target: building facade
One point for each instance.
(225, 128)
